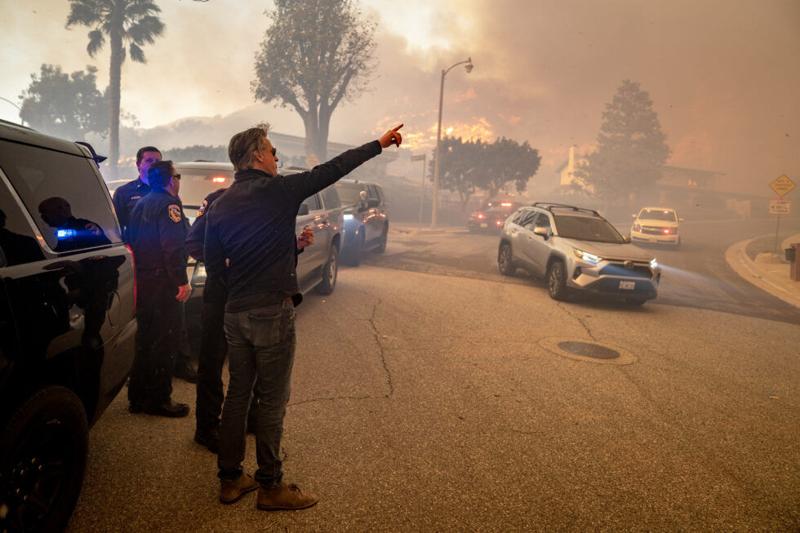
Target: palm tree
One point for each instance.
(131, 23)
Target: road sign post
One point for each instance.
(424, 159)
(782, 185)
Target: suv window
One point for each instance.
(372, 193)
(543, 220)
(585, 228)
(528, 219)
(17, 242)
(312, 202)
(331, 198)
(349, 192)
(62, 193)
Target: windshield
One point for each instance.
(196, 184)
(658, 214)
(349, 192)
(587, 229)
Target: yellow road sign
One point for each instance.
(782, 185)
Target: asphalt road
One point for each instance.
(439, 400)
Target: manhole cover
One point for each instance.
(588, 349)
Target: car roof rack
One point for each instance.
(550, 205)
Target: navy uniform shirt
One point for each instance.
(125, 198)
(252, 227)
(157, 233)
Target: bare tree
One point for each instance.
(125, 22)
(315, 54)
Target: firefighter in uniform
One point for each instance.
(126, 196)
(157, 234)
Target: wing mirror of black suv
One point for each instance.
(541, 231)
(303, 210)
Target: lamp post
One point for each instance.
(468, 66)
(15, 105)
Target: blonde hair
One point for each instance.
(245, 143)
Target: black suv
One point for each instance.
(317, 266)
(67, 321)
(366, 221)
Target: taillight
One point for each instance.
(133, 267)
(669, 231)
(481, 216)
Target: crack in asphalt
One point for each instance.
(579, 319)
(377, 334)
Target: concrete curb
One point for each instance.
(749, 270)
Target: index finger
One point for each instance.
(397, 127)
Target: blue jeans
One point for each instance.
(261, 345)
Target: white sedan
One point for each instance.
(656, 225)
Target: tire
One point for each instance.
(384, 240)
(329, 272)
(352, 254)
(557, 280)
(43, 459)
(505, 260)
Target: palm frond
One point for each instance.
(140, 8)
(145, 30)
(137, 54)
(96, 42)
(84, 13)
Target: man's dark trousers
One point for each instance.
(261, 344)
(158, 318)
(209, 369)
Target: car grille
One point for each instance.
(619, 269)
(650, 230)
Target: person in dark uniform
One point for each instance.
(126, 196)
(17, 249)
(157, 234)
(71, 233)
(250, 237)
(124, 199)
(213, 346)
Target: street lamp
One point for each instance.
(15, 105)
(468, 66)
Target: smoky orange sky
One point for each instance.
(724, 75)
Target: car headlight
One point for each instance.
(653, 263)
(348, 216)
(586, 256)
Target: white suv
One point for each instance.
(656, 225)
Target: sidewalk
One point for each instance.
(767, 272)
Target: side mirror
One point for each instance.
(541, 231)
(303, 210)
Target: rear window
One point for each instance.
(349, 192)
(331, 198)
(197, 183)
(63, 194)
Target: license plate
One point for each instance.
(484, 225)
(627, 285)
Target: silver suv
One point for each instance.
(576, 249)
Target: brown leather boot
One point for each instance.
(232, 490)
(284, 497)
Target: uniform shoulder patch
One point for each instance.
(174, 211)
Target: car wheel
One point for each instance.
(505, 260)
(352, 254)
(329, 273)
(42, 461)
(384, 240)
(556, 281)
